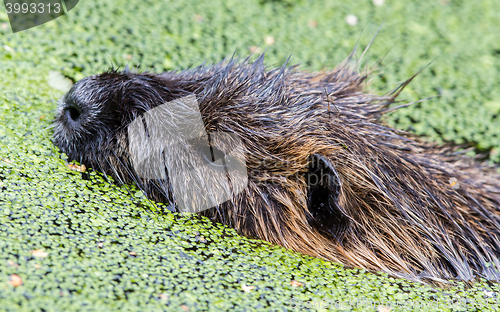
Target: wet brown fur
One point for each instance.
(396, 211)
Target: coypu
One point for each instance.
(385, 201)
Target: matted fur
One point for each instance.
(396, 210)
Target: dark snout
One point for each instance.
(72, 114)
(78, 125)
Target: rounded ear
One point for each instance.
(323, 191)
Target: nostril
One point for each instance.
(72, 113)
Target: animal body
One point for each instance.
(380, 200)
